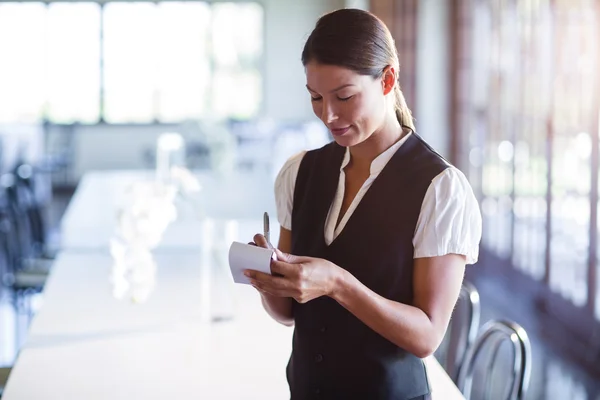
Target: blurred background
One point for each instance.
(507, 90)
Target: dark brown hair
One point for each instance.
(359, 41)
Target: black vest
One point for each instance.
(335, 355)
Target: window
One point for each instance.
(237, 44)
(73, 62)
(22, 52)
(535, 126)
(134, 62)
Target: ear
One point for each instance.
(388, 79)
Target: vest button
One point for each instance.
(319, 358)
(323, 329)
(318, 392)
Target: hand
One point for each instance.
(302, 278)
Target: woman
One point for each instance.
(379, 225)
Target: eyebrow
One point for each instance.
(334, 90)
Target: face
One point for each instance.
(354, 107)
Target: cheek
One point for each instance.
(316, 106)
(365, 112)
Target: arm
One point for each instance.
(417, 328)
(279, 308)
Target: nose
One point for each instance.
(328, 114)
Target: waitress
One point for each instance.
(376, 228)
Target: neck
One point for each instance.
(363, 154)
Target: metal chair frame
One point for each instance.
(495, 333)
(454, 361)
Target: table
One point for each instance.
(90, 219)
(198, 335)
(85, 344)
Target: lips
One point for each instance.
(339, 131)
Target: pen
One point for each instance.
(267, 237)
(266, 228)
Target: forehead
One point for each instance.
(323, 78)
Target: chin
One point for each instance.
(344, 142)
(347, 140)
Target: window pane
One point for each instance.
(184, 62)
(571, 152)
(74, 62)
(130, 61)
(570, 217)
(237, 34)
(237, 94)
(530, 211)
(497, 154)
(22, 70)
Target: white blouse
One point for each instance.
(449, 221)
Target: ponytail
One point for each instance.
(403, 113)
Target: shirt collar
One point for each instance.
(381, 160)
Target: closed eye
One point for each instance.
(315, 98)
(345, 98)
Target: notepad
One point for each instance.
(245, 256)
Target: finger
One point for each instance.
(274, 288)
(257, 275)
(290, 258)
(268, 281)
(261, 241)
(282, 268)
(252, 243)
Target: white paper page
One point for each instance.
(245, 256)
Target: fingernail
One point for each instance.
(247, 273)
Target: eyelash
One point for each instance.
(339, 98)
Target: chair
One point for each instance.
(493, 335)
(462, 331)
(23, 236)
(25, 266)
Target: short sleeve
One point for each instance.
(285, 182)
(450, 220)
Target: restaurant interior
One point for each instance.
(139, 139)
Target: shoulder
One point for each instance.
(288, 172)
(450, 219)
(285, 183)
(452, 182)
(314, 162)
(324, 153)
(421, 160)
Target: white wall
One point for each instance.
(287, 25)
(433, 71)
